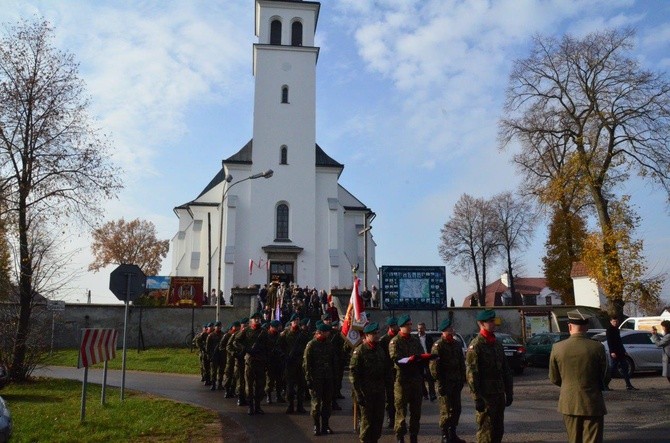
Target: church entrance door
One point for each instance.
(281, 271)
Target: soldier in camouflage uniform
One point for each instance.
(230, 382)
(490, 380)
(238, 359)
(319, 363)
(368, 367)
(275, 365)
(254, 344)
(212, 349)
(407, 354)
(340, 348)
(292, 342)
(449, 372)
(393, 329)
(199, 343)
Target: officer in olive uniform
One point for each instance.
(212, 347)
(223, 354)
(292, 342)
(448, 370)
(339, 346)
(319, 363)
(392, 324)
(275, 365)
(199, 342)
(407, 354)
(367, 369)
(253, 342)
(490, 379)
(230, 382)
(579, 366)
(238, 358)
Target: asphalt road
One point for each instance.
(633, 416)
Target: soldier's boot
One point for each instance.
(257, 407)
(207, 382)
(325, 428)
(401, 439)
(413, 438)
(290, 409)
(454, 438)
(229, 393)
(220, 386)
(300, 408)
(241, 401)
(252, 410)
(335, 406)
(213, 388)
(317, 426)
(280, 398)
(268, 399)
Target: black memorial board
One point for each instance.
(413, 287)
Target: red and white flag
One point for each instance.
(356, 301)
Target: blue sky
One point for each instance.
(409, 93)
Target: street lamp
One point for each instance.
(227, 179)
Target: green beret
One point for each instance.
(371, 328)
(304, 321)
(326, 317)
(255, 315)
(335, 323)
(235, 324)
(486, 314)
(323, 327)
(294, 316)
(218, 323)
(244, 320)
(391, 321)
(275, 323)
(403, 320)
(210, 324)
(446, 323)
(206, 325)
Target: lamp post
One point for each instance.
(227, 179)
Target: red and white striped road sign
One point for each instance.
(97, 345)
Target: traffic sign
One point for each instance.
(55, 305)
(127, 282)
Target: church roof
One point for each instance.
(243, 156)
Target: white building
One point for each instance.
(300, 225)
(587, 290)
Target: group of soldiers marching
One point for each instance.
(252, 360)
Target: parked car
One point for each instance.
(538, 347)
(5, 422)
(643, 354)
(435, 335)
(514, 351)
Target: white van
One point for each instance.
(645, 323)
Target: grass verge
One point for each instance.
(170, 360)
(48, 410)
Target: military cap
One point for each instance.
(294, 316)
(576, 317)
(275, 323)
(217, 323)
(205, 325)
(244, 320)
(304, 321)
(255, 315)
(323, 327)
(210, 324)
(486, 315)
(235, 324)
(391, 321)
(403, 320)
(371, 328)
(265, 325)
(446, 323)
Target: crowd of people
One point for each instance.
(260, 360)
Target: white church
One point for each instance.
(275, 210)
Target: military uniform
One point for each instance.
(579, 366)
(228, 360)
(448, 370)
(253, 343)
(275, 366)
(240, 385)
(292, 344)
(408, 382)
(214, 353)
(490, 380)
(319, 364)
(200, 342)
(388, 384)
(368, 367)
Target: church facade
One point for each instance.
(275, 211)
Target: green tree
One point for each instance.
(133, 242)
(54, 164)
(564, 245)
(608, 116)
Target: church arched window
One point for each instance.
(284, 94)
(296, 34)
(275, 32)
(281, 231)
(283, 155)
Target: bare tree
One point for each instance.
(515, 222)
(54, 164)
(467, 240)
(612, 116)
(132, 242)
